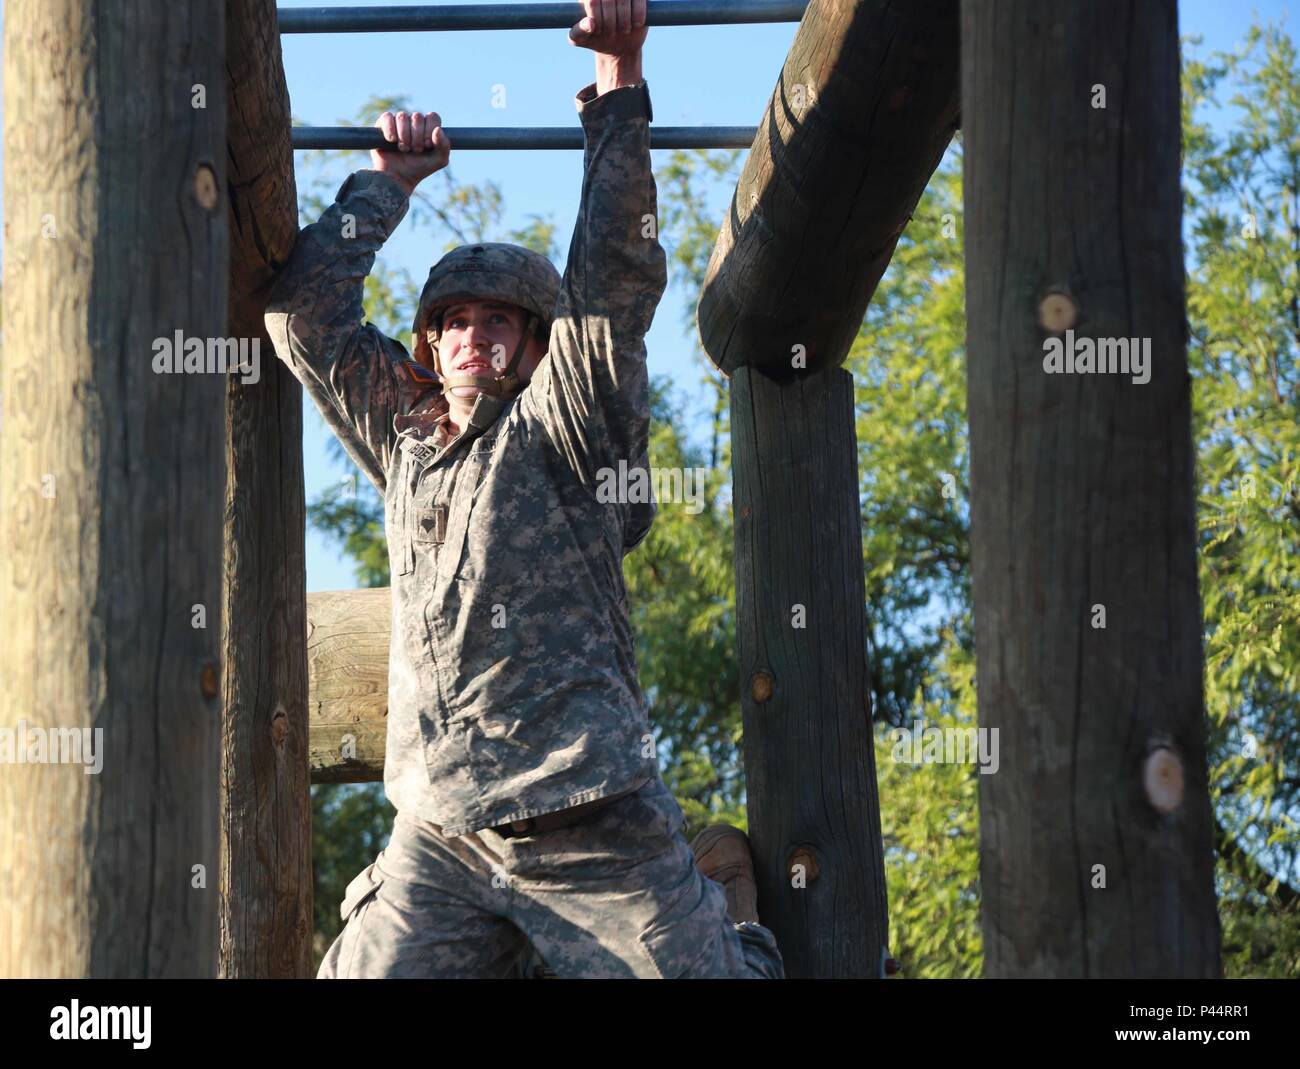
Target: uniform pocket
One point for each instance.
(402, 557)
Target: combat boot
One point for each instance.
(722, 854)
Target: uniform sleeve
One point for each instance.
(592, 393)
(357, 377)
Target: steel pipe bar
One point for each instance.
(526, 16)
(522, 137)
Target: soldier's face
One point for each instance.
(479, 337)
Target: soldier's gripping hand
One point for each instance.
(612, 27)
(421, 147)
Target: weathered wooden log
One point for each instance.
(266, 873)
(1096, 835)
(348, 635)
(810, 776)
(111, 477)
(866, 104)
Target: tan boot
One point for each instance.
(722, 854)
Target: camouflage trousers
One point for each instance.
(616, 894)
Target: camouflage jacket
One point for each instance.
(512, 676)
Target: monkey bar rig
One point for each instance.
(442, 17)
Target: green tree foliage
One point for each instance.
(930, 827)
(681, 582)
(1241, 177)
(681, 590)
(350, 825)
(909, 370)
(1244, 319)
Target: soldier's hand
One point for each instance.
(420, 147)
(614, 27)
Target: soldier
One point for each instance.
(519, 752)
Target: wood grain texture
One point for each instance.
(110, 486)
(809, 760)
(266, 871)
(348, 636)
(1082, 494)
(829, 185)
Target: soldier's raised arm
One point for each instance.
(592, 391)
(357, 377)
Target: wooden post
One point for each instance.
(865, 106)
(1096, 831)
(810, 773)
(111, 479)
(266, 873)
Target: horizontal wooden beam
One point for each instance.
(348, 633)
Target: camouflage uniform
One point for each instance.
(512, 674)
(615, 895)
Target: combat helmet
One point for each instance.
(488, 271)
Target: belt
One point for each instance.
(561, 818)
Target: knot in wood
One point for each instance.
(760, 687)
(279, 726)
(805, 861)
(1057, 312)
(208, 680)
(205, 187)
(1162, 779)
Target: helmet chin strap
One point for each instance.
(504, 384)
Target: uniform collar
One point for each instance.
(487, 409)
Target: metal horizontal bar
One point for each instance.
(516, 137)
(526, 16)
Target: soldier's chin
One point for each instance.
(466, 392)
